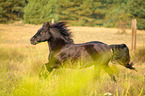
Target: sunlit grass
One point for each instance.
(21, 62)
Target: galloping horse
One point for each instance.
(62, 48)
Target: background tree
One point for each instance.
(137, 9)
(68, 10)
(81, 12)
(120, 13)
(39, 11)
(11, 10)
(108, 13)
(90, 13)
(118, 16)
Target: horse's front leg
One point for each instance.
(43, 72)
(47, 69)
(50, 66)
(110, 72)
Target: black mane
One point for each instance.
(64, 31)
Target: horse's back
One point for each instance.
(96, 49)
(97, 45)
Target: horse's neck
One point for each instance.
(56, 44)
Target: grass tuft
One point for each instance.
(140, 55)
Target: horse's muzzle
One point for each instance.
(32, 41)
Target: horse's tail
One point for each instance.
(120, 54)
(116, 51)
(130, 66)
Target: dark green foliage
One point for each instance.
(77, 12)
(141, 24)
(118, 16)
(108, 13)
(122, 11)
(90, 14)
(11, 10)
(137, 9)
(39, 11)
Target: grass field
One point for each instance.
(20, 63)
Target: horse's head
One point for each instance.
(43, 34)
(48, 32)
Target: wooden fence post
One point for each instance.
(133, 28)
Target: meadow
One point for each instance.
(21, 62)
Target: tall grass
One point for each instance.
(20, 64)
(139, 55)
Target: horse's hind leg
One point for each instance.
(97, 70)
(110, 72)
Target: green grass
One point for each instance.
(21, 62)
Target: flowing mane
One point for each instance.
(64, 31)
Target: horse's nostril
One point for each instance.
(32, 40)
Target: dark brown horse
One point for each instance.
(62, 48)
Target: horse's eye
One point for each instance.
(42, 32)
(45, 31)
